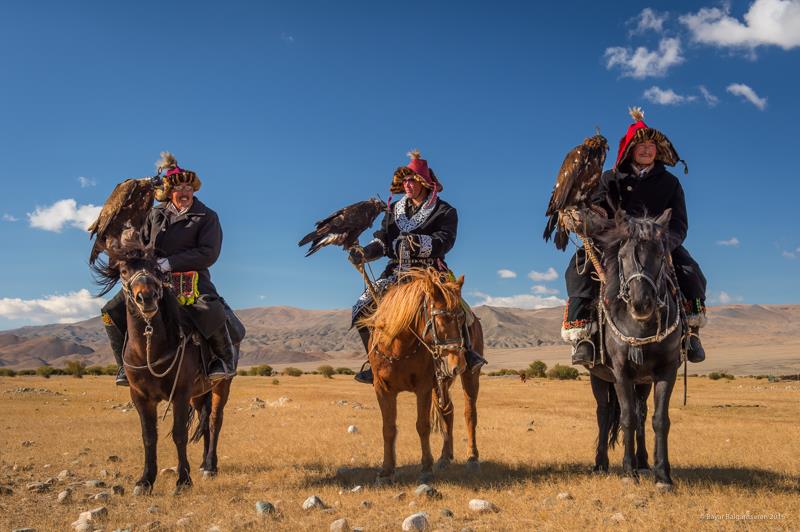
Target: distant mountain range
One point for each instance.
(287, 335)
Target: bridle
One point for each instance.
(126, 289)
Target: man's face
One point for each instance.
(182, 196)
(644, 153)
(413, 189)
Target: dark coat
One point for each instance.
(650, 195)
(190, 242)
(437, 230)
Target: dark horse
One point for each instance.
(418, 345)
(641, 335)
(163, 363)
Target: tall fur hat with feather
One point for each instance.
(417, 169)
(638, 132)
(174, 175)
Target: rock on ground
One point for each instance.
(314, 502)
(418, 521)
(482, 506)
(340, 525)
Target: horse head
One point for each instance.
(445, 318)
(134, 264)
(637, 252)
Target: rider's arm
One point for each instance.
(679, 221)
(209, 245)
(442, 239)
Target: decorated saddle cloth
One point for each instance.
(184, 286)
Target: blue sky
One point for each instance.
(290, 110)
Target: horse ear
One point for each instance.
(663, 220)
(460, 281)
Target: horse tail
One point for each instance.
(202, 418)
(614, 416)
(438, 412)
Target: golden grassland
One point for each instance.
(734, 451)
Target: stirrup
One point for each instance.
(215, 376)
(365, 376)
(583, 361)
(122, 377)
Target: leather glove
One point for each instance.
(356, 255)
(370, 252)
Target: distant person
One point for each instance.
(640, 184)
(417, 232)
(188, 240)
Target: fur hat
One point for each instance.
(175, 175)
(640, 132)
(416, 169)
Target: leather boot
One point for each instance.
(583, 353)
(222, 367)
(117, 341)
(696, 352)
(474, 360)
(365, 375)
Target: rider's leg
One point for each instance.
(578, 326)
(692, 283)
(365, 375)
(116, 335)
(474, 360)
(222, 366)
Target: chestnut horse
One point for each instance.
(417, 345)
(163, 363)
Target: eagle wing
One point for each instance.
(576, 182)
(344, 226)
(127, 206)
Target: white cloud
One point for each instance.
(550, 275)
(666, 96)
(9, 218)
(731, 242)
(67, 308)
(648, 20)
(528, 301)
(724, 298)
(790, 254)
(543, 290)
(710, 99)
(506, 274)
(740, 89)
(86, 182)
(61, 213)
(644, 63)
(287, 38)
(766, 23)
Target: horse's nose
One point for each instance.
(140, 298)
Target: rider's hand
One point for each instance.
(163, 265)
(356, 255)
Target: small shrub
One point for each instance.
(7, 372)
(345, 371)
(263, 370)
(76, 368)
(241, 372)
(26, 372)
(537, 369)
(275, 382)
(326, 371)
(110, 369)
(94, 370)
(717, 375)
(562, 373)
(45, 371)
(293, 372)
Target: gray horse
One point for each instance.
(640, 340)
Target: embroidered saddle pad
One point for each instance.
(184, 286)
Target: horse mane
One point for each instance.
(128, 247)
(400, 305)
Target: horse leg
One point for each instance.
(470, 382)
(626, 397)
(601, 390)
(148, 417)
(424, 399)
(202, 406)
(219, 397)
(387, 400)
(180, 436)
(663, 391)
(642, 393)
(447, 434)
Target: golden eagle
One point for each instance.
(127, 207)
(344, 226)
(576, 182)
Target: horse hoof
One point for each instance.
(209, 474)
(644, 471)
(181, 488)
(441, 464)
(665, 487)
(384, 481)
(473, 466)
(600, 470)
(141, 489)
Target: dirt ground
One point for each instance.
(733, 450)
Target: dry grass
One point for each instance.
(732, 460)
